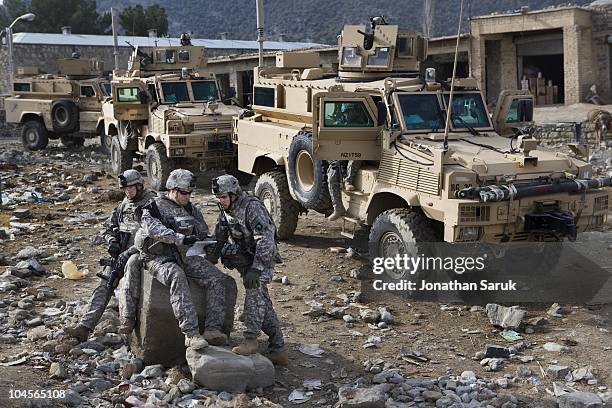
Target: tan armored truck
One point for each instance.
(484, 182)
(166, 110)
(62, 106)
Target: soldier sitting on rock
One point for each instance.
(246, 241)
(118, 232)
(170, 224)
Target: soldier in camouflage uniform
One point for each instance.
(334, 176)
(118, 232)
(170, 224)
(246, 241)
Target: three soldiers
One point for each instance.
(118, 232)
(161, 228)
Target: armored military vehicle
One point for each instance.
(62, 106)
(166, 110)
(484, 181)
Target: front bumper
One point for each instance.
(513, 221)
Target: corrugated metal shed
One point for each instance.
(107, 41)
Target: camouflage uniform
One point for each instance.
(334, 178)
(160, 247)
(125, 219)
(248, 221)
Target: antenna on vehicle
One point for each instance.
(260, 29)
(449, 111)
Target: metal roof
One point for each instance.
(107, 41)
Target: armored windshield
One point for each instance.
(175, 92)
(421, 112)
(205, 90)
(468, 110)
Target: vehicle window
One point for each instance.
(183, 55)
(380, 57)
(165, 56)
(421, 111)
(468, 110)
(205, 90)
(87, 91)
(106, 88)
(512, 116)
(347, 114)
(128, 94)
(405, 47)
(21, 87)
(175, 92)
(350, 57)
(264, 96)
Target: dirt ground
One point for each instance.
(448, 336)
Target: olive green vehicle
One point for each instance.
(62, 106)
(484, 182)
(166, 110)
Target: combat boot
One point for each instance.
(127, 326)
(195, 342)
(279, 357)
(79, 332)
(215, 337)
(338, 212)
(248, 347)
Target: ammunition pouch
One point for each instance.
(235, 256)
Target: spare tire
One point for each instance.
(64, 116)
(307, 177)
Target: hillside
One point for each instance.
(314, 19)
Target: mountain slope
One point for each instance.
(316, 20)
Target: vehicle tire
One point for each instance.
(158, 166)
(64, 116)
(127, 134)
(273, 190)
(308, 177)
(72, 141)
(34, 135)
(105, 142)
(402, 231)
(121, 160)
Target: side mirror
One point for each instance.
(525, 110)
(381, 114)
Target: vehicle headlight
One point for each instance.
(174, 126)
(178, 151)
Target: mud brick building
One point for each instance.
(562, 51)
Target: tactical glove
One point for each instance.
(114, 249)
(251, 278)
(123, 258)
(189, 240)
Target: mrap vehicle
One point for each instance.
(482, 181)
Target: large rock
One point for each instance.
(158, 339)
(580, 400)
(372, 397)
(218, 369)
(506, 317)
